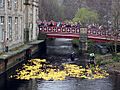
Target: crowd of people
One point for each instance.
(70, 24)
(99, 26)
(58, 24)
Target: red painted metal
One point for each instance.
(95, 34)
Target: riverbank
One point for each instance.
(110, 63)
(19, 54)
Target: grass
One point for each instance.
(110, 62)
(103, 59)
(114, 65)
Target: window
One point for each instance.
(9, 2)
(1, 28)
(16, 28)
(1, 3)
(20, 24)
(10, 28)
(16, 4)
(21, 5)
(2, 20)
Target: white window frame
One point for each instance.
(9, 3)
(1, 3)
(16, 28)
(16, 4)
(10, 27)
(2, 28)
(21, 27)
(21, 3)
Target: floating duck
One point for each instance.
(35, 69)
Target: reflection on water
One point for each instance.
(115, 79)
(64, 46)
(59, 47)
(76, 84)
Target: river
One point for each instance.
(58, 52)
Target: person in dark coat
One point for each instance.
(72, 56)
(6, 46)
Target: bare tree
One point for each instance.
(50, 10)
(116, 20)
(116, 13)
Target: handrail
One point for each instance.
(91, 32)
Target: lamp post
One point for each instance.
(26, 30)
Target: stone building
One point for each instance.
(33, 17)
(13, 22)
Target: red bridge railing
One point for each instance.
(67, 30)
(92, 33)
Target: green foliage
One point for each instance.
(116, 58)
(85, 15)
(90, 46)
(75, 41)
